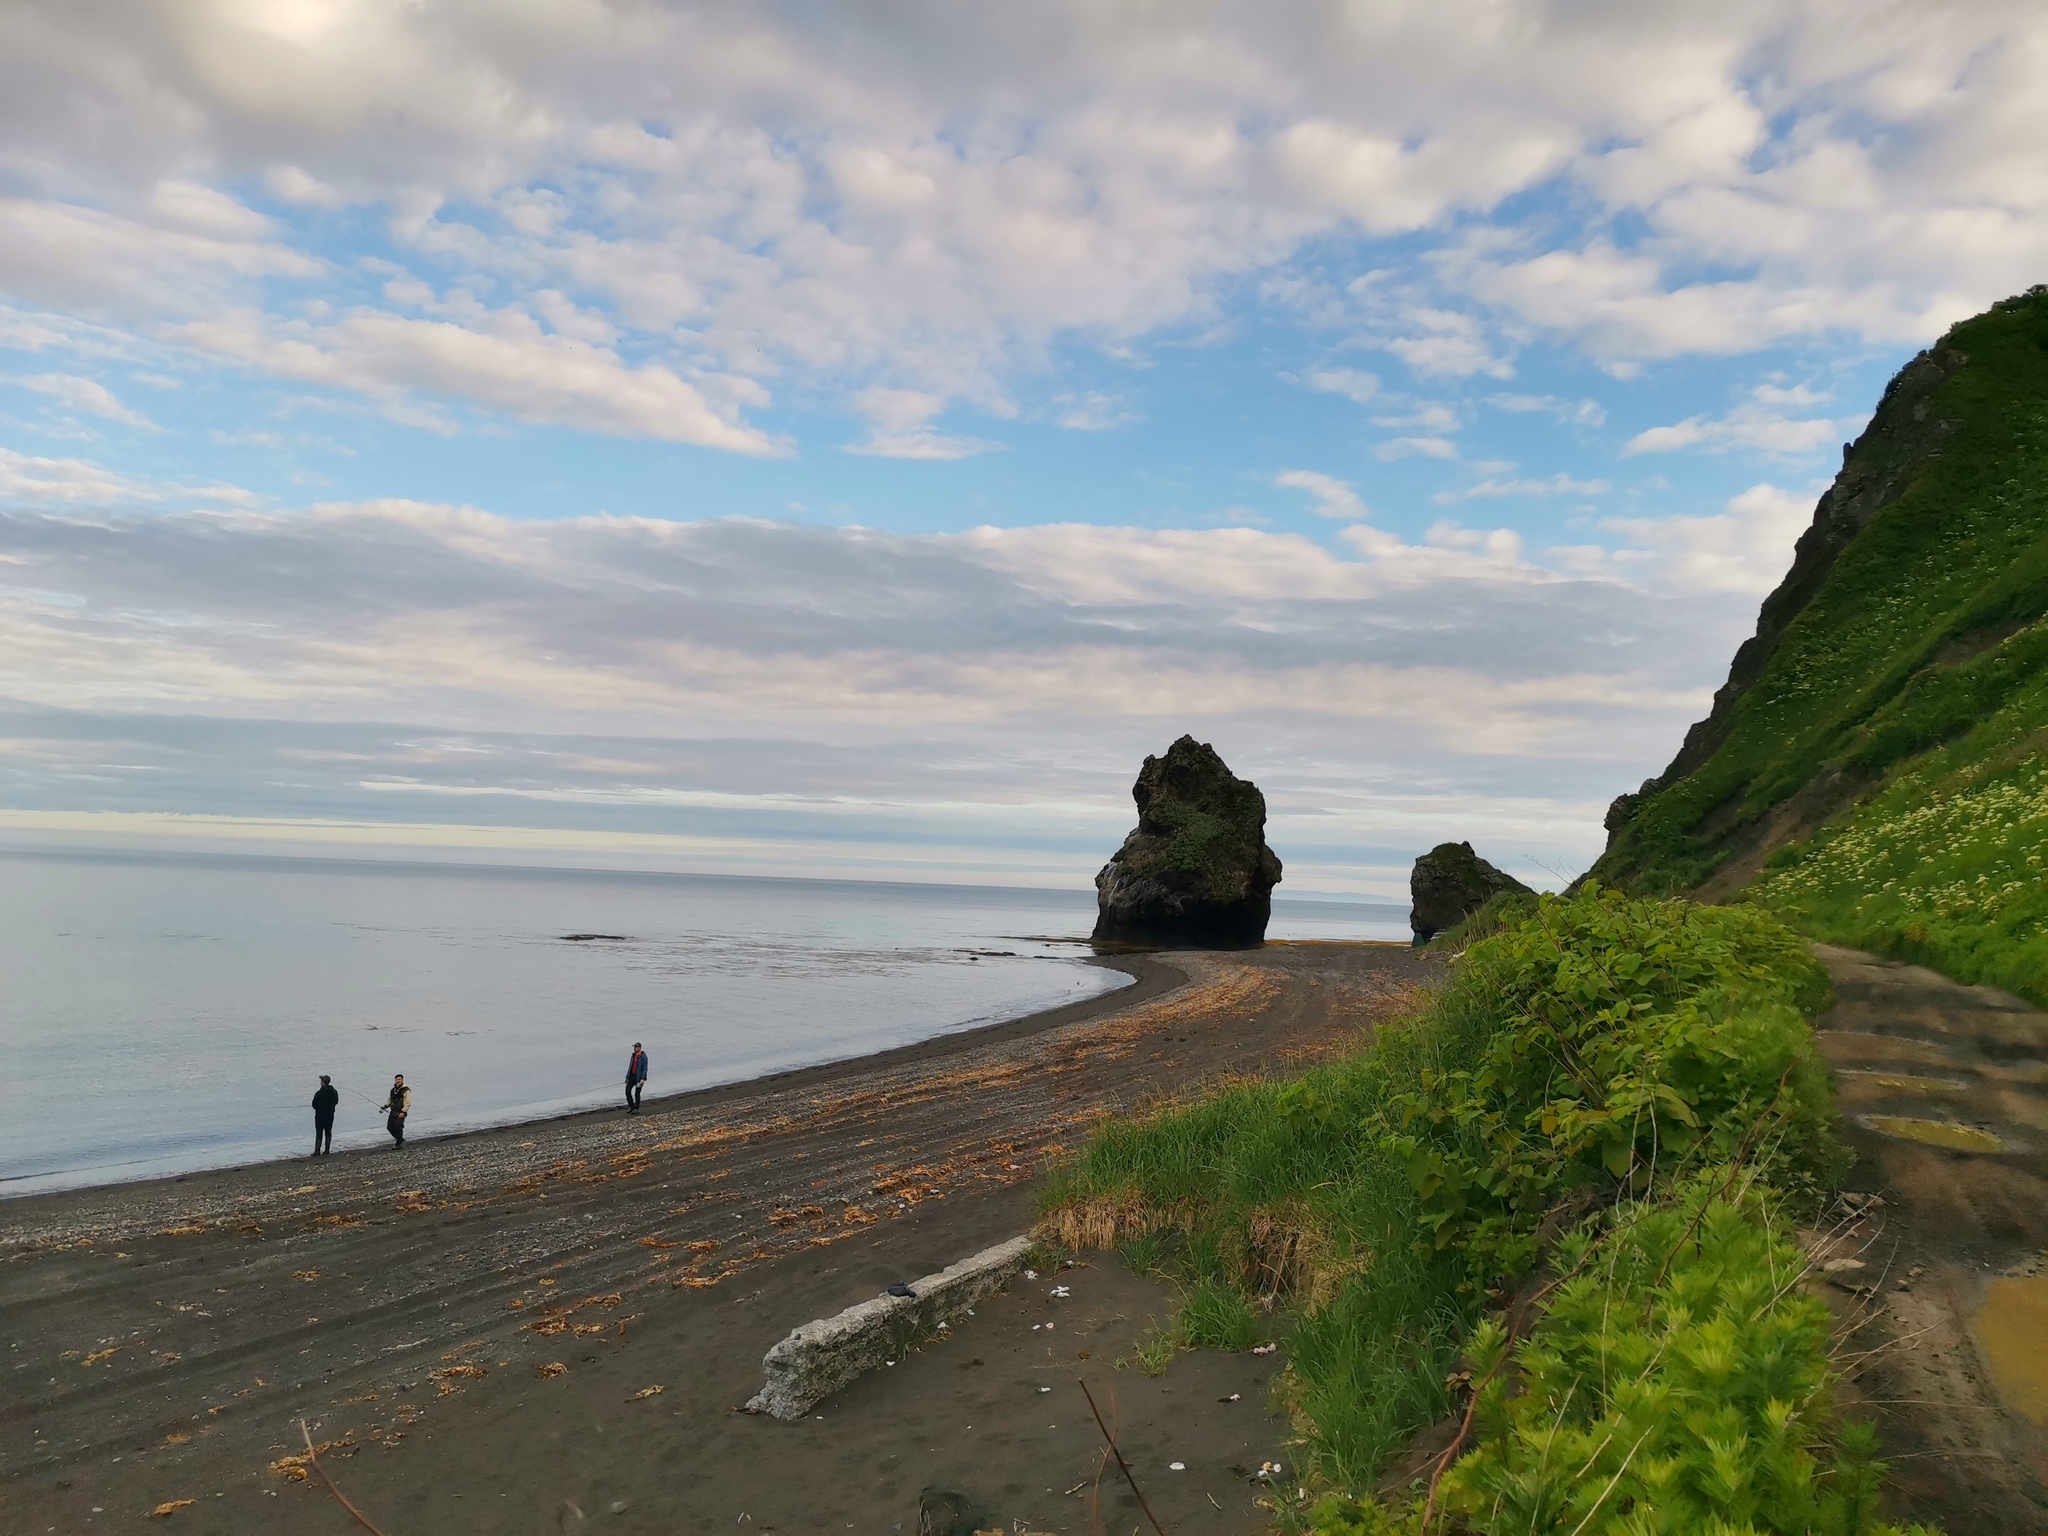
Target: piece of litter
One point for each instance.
(1264, 1349)
(1045, 1389)
(1048, 1327)
(1030, 1274)
(618, 1506)
(645, 1393)
(1060, 1290)
(1234, 1397)
(1176, 1466)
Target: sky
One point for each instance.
(845, 440)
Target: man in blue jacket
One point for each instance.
(324, 1102)
(636, 1078)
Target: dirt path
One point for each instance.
(1944, 1095)
(162, 1338)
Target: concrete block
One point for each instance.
(819, 1358)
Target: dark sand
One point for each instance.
(164, 1339)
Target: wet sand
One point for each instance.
(1945, 1322)
(164, 1339)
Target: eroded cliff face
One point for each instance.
(1915, 555)
(1196, 869)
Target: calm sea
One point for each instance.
(161, 1014)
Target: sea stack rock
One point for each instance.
(1197, 870)
(1449, 884)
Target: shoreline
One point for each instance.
(534, 1285)
(1150, 979)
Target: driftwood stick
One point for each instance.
(1129, 1476)
(313, 1461)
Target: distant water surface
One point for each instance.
(160, 1013)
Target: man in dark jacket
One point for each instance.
(636, 1078)
(323, 1116)
(397, 1107)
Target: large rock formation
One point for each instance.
(1450, 883)
(1197, 869)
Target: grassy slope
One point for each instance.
(1638, 1076)
(1905, 680)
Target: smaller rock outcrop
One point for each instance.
(1450, 883)
(1196, 870)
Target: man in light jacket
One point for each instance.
(636, 1078)
(399, 1105)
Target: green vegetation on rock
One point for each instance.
(1910, 624)
(1196, 869)
(1622, 1092)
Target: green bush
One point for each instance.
(1677, 1383)
(1595, 1050)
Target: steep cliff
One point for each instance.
(1908, 622)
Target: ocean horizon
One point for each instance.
(168, 1012)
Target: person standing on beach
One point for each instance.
(636, 1078)
(399, 1105)
(324, 1102)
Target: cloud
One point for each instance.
(1333, 497)
(101, 264)
(83, 394)
(29, 480)
(931, 202)
(1760, 424)
(1745, 548)
(843, 688)
(900, 427)
(1559, 484)
(1093, 411)
(1416, 447)
(1580, 413)
(1357, 387)
(514, 367)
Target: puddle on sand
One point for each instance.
(1935, 1133)
(1904, 1082)
(2012, 1330)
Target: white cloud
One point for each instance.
(83, 394)
(201, 208)
(1333, 497)
(1416, 447)
(933, 200)
(900, 427)
(1746, 548)
(1580, 413)
(1093, 411)
(1358, 387)
(1760, 423)
(1559, 484)
(28, 480)
(514, 367)
(71, 257)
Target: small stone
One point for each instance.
(618, 1506)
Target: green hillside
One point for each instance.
(1876, 768)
